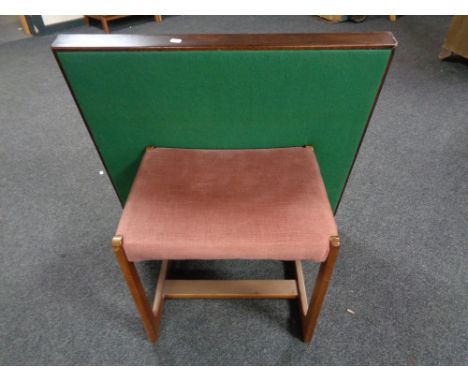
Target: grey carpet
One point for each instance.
(403, 222)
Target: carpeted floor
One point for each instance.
(403, 221)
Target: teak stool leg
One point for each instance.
(320, 290)
(138, 293)
(158, 304)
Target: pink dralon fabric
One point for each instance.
(227, 204)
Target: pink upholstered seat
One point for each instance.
(227, 204)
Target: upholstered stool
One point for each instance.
(227, 204)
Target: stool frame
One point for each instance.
(227, 289)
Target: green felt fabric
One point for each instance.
(226, 100)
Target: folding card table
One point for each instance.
(227, 147)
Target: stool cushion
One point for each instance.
(227, 204)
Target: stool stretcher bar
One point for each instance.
(216, 289)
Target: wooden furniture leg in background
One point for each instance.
(456, 41)
(104, 20)
(105, 25)
(158, 18)
(24, 25)
(392, 18)
(445, 53)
